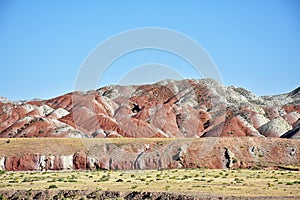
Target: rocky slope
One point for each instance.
(167, 109)
(127, 154)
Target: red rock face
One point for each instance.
(212, 152)
(22, 163)
(80, 160)
(180, 109)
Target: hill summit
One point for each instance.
(167, 109)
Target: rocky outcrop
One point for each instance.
(120, 154)
(135, 195)
(275, 128)
(167, 109)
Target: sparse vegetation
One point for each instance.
(52, 186)
(134, 187)
(224, 182)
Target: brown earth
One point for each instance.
(135, 195)
(124, 154)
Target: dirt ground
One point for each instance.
(152, 184)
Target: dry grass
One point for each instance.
(67, 146)
(54, 146)
(217, 182)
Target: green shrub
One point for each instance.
(27, 180)
(72, 181)
(237, 180)
(103, 178)
(52, 181)
(195, 186)
(270, 185)
(134, 186)
(296, 182)
(185, 177)
(167, 187)
(52, 186)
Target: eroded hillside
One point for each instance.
(167, 109)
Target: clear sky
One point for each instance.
(255, 44)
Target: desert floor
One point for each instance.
(186, 181)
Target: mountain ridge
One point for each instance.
(183, 108)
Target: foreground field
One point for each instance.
(247, 183)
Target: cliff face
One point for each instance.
(213, 152)
(168, 109)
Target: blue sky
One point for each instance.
(255, 44)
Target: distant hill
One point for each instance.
(186, 108)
